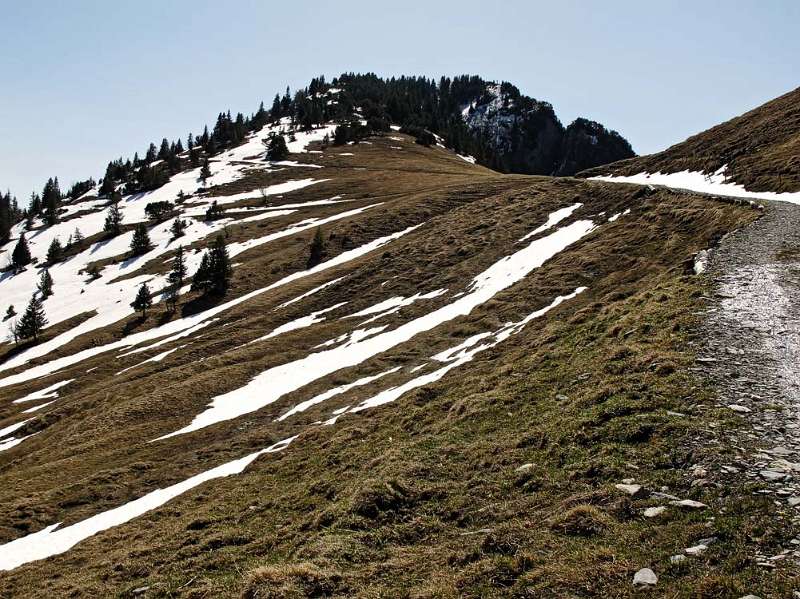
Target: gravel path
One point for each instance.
(750, 351)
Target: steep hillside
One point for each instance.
(757, 152)
(446, 397)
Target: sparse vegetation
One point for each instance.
(316, 249)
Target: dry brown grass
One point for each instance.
(419, 498)
(761, 149)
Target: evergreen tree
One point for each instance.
(213, 211)
(5, 218)
(10, 313)
(205, 172)
(220, 266)
(317, 249)
(178, 227)
(45, 285)
(151, 154)
(77, 237)
(175, 278)
(32, 321)
(35, 204)
(215, 271)
(275, 111)
(51, 199)
(113, 224)
(202, 277)
(143, 300)
(164, 151)
(276, 147)
(140, 242)
(21, 255)
(55, 251)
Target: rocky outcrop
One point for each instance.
(524, 135)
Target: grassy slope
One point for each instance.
(421, 497)
(760, 147)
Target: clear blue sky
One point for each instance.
(82, 82)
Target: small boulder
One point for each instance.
(690, 504)
(652, 512)
(645, 578)
(772, 476)
(631, 490)
(696, 550)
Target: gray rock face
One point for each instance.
(525, 135)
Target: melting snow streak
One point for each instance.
(53, 541)
(274, 383)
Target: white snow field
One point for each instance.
(53, 540)
(109, 302)
(183, 324)
(714, 183)
(274, 383)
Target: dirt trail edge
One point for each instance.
(749, 350)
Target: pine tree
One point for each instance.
(113, 224)
(175, 278)
(32, 321)
(21, 255)
(10, 313)
(213, 211)
(51, 198)
(317, 249)
(143, 300)
(5, 218)
(205, 172)
(77, 237)
(202, 277)
(276, 147)
(150, 156)
(178, 227)
(220, 266)
(164, 151)
(35, 206)
(45, 285)
(55, 251)
(140, 242)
